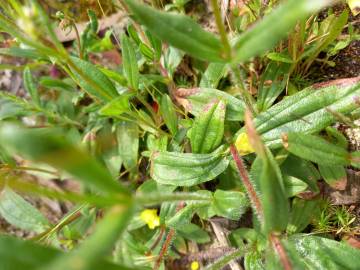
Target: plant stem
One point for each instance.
(168, 240)
(246, 181)
(221, 28)
(247, 98)
(279, 248)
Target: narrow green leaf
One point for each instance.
(330, 29)
(21, 52)
(131, 69)
(95, 82)
(30, 86)
(273, 197)
(46, 145)
(117, 106)
(193, 232)
(207, 131)
(32, 256)
(19, 213)
(316, 149)
(182, 217)
(169, 114)
(272, 83)
(334, 175)
(156, 45)
(181, 169)
(270, 30)
(293, 186)
(179, 31)
(195, 101)
(254, 261)
(230, 204)
(302, 213)
(213, 75)
(301, 169)
(225, 259)
(307, 111)
(98, 244)
(280, 57)
(128, 144)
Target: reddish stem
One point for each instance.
(168, 240)
(280, 251)
(246, 181)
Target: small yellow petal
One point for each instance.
(150, 217)
(243, 144)
(354, 6)
(195, 265)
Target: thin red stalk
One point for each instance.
(162, 230)
(167, 243)
(280, 250)
(164, 248)
(246, 181)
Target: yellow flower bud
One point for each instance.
(150, 217)
(243, 144)
(195, 265)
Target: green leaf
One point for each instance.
(213, 75)
(230, 204)
(48, 146)
(193, 232)
(179, 31)
(270, 30)
(254, 261)
(56, 84)
(30, 86)
(225, 259)
(273, 195)
(130, 65)
(317, 253)
(169, 114)
(117, 106)
(99, 244)
(19, 213)
(272, 83)
(316, 149)
(156, 45)
(128, 144)
(93, 81)
(302, 213)
(172, 59)
(293, 186)
(207, 131)
(32, 256)
(280, 57)
(330, 28)
(301, 169)
(21, 52)
(179, 169)
(195, 101)
(182, 217)
(307, 111)
(334, 175)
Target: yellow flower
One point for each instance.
(150, 217)
(195, 265)
(243, 144)
(354, 6)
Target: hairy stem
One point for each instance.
(167, 243)
(246, 181)
(280, 250)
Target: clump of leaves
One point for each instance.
(158, 161)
